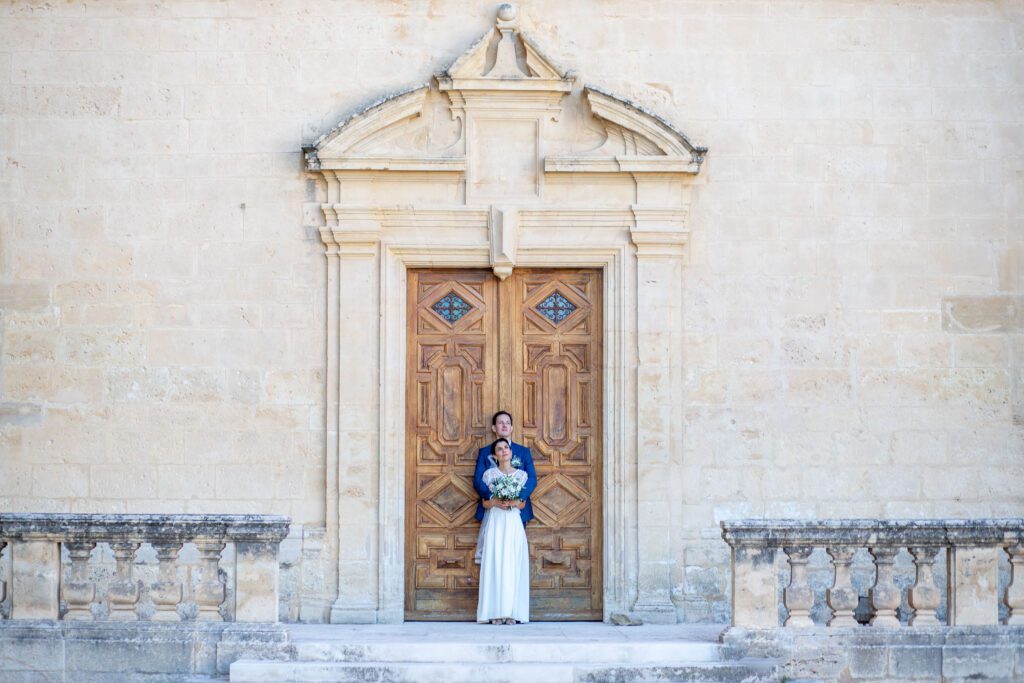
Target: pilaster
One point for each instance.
(355, 244)
(660, 238)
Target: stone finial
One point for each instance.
(507, 16)
(506, 64)
(515, 58)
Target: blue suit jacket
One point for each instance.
(483, 463)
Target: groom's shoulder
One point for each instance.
(519, 448)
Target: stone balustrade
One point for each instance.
(35, 581)
(966, 591)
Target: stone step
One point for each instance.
(745, 671)
(519, 651)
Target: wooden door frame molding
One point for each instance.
(479, 169)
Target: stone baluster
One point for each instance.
(3, 583)
(210, 592)
(924, 596)
(885, 596)
(798, 596)
(1015, 591)
(166, 592)
(842, 597)
(78, 591)
(124, 589)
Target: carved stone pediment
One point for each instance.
(636, 141)
(396, 133)
(493, 116)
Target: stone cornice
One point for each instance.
(777, 533)
(368, 162)
(176, 528)
(349, 217)
(620, 164)
(659, 231)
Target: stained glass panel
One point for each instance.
(556, 308)
(451, 307)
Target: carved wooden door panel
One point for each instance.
(532, 345)
(556, 386)
(450, 393)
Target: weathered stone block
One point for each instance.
(139, 653)
(23, 295)
(252, 641)
(20, 413)
(27, 676)
(983, 314)
(868, 662)
(31, 651)
(916, 662)
(977, 662)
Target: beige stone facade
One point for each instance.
(824, 321)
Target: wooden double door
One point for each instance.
(531, 345)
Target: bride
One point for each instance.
(504, 553)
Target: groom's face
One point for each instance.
(502, 427)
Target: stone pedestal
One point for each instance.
(256, 592)
(755, 596)
(34, 589)
(975, 599)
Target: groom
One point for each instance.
(501, 425)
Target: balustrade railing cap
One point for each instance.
(868, 532)
(143, 527)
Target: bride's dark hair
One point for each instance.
(494, 446)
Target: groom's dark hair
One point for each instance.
(494, 446)
(494, 420)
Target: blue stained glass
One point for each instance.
(556, 308)
(451, 307)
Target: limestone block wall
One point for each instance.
(853, 295)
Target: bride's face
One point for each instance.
(503, 453)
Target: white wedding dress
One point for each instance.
(504, 562)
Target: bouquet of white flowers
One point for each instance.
(506, 487)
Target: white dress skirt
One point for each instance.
(504, 563)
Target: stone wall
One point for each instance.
(858, 655)
(853, 298)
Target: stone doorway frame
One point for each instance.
(371, 242)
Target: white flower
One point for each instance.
(517, 462)
(506, 487)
